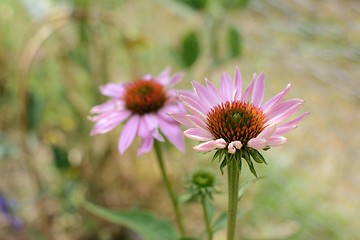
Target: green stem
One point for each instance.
(172, 196)
(206, 218)
(233, 186)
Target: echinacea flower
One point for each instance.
(143, 105)
(234, 121)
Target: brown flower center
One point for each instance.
(144, 96)
(236, 121)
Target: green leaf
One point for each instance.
(249, 162)
(222, 165)
(149, 227)
(234, 40)
(61, 159)
(186, 198)
(221, 221)
(190, 49)
(195, 4)
(257, 156)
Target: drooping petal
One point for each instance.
(112, 89)
(151, 121)
(172, 132)
(196, 121)
(164, 77)
(247, 94)
(231, 148)
(109, 121)
(257, 143)
(267, 132)
(215, 92)
(237, 144)
(279, 118)
(294, 121)
(283, 130)
(105, 107)
(204, 93)
(220, 143)
(191, 101)
(270, 104)
(237, 84)
(205, 147)
(258, 91)
(128, 133)
(198, 134)
(282, 107)
(276, 141)
(146, 145)
(226, 87)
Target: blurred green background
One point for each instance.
(55, 54)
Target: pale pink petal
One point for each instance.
(146, 145)
(164, 77)
(238, 84)
(151, 121)
(109, 121)
(257, 143)
(215, 92)
(204, 93)
(238, 144)
(196, 121)
(282, 107)
(276, 141)
(277, 119)
(172, 132)
(226, 87)
(231, 148)
(143, 129)
(294, 121)
(147, 77)
(205, 147)
(191, 101)
(270, 104)
(180, 117)
(112, 89)
(283, 130)
(175, 79)
(156, 134)
(258, 91)
(247, 94)
(170, 108)
(220, 143)
(267, 132)
(198, 134)
(128, 133)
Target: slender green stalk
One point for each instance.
(206, 218)
(233, 186)
(172, 196)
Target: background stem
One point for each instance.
(172, 196)
(233, 186)
(206, 218)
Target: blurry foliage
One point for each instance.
(190, 49)
(195, 4)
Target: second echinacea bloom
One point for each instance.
(143, 105)
(237, 122)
